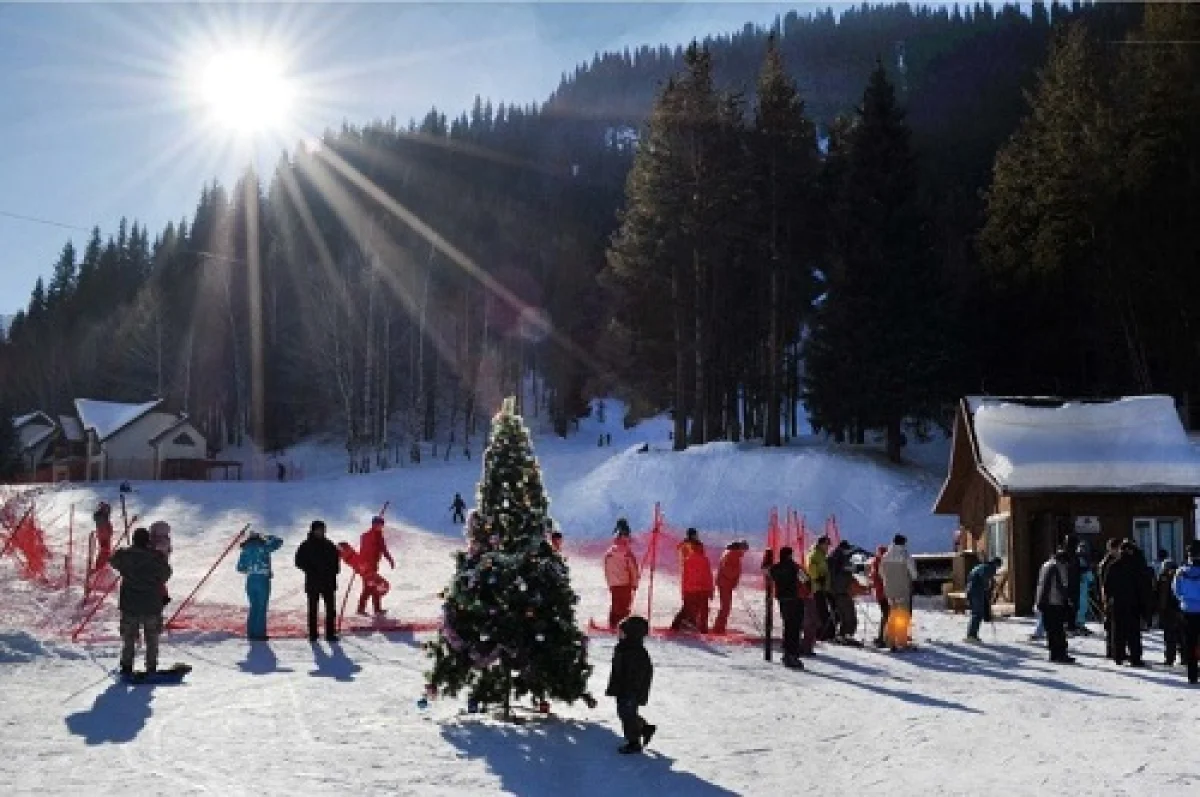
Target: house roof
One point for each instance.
(106, 418)
(171, 429)
(71, 427)
(32, 438)
(1024, 445)
(38, 415)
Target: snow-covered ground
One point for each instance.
(286, 718)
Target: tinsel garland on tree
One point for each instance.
(508, 620)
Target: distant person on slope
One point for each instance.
(729, 573)
(696, 584)
(318, 557)
(980, 583)
(621, 574)
(143, 575)
(629, 682)
(459, 507)
(786, 578)
(1187, 589)
(818, 573)
(372, 548)
(254, 563)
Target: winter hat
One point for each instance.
(899, 539)
(160, 527)
(622, 529)
(317, 526)
(692, 534)
(635, 627)
(844, 545)
(377, 521)
(823, 540)
(141, 537)
(785, 553)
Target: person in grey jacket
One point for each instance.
(1054, 601)
(144, 575)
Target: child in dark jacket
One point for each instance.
(629, 683)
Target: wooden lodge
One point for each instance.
(1024, 472)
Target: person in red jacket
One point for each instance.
(880, 594)
(729, 573)
(696, 581)
(371, 549)
(104, 534)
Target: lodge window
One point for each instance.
(1159, 533)
(997, 537)
(184, 439)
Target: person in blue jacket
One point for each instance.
(255, 563)
(1187, 589)
(980, 583)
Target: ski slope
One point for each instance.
(285, 717)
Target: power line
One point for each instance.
(36, 220)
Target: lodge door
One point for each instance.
(1045, 533)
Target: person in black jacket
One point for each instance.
(1125, 592)
(144, 575)
(629, 683)
(1111, 553)
(1070, 544)
(786, 577)
(321, 563)
(1170, 615)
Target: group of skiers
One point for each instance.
(1133, 596)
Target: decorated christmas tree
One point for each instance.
(508, 621)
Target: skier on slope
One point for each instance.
(1187, 588)
(696, 584)
(143, 574)
(729, 573)
(255, 563)
(320, 561)
(372, 548)
(818, 572)
(980, 583)
(787, 578)
(621, 574)
(459, 507)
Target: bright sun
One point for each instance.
(246, 91)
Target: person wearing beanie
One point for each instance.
(254, 562)
(899, 571)
(372, 549)
(786, 578)
(621, 574)
(1187, 589)
(318, 558)
(1170, 616)
(729, 573)
(629, 683)
(144, 574)
(981, 581)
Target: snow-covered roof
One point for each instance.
(72, 429)
(22, 420)
(1132, 443)
(33, 435)
(106, 418)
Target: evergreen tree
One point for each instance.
(62, 282)
(10, 453)
(509, 613)
(878, 350)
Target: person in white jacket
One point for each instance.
(621, 573)
(898, 570)
(1054, 601)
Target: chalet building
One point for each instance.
(1024, 472)
(107, 440)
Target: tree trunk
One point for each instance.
(681, 357)
(699, 350)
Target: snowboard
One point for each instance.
(375, 581)
(173, 675)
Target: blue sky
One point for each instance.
(95, 121)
